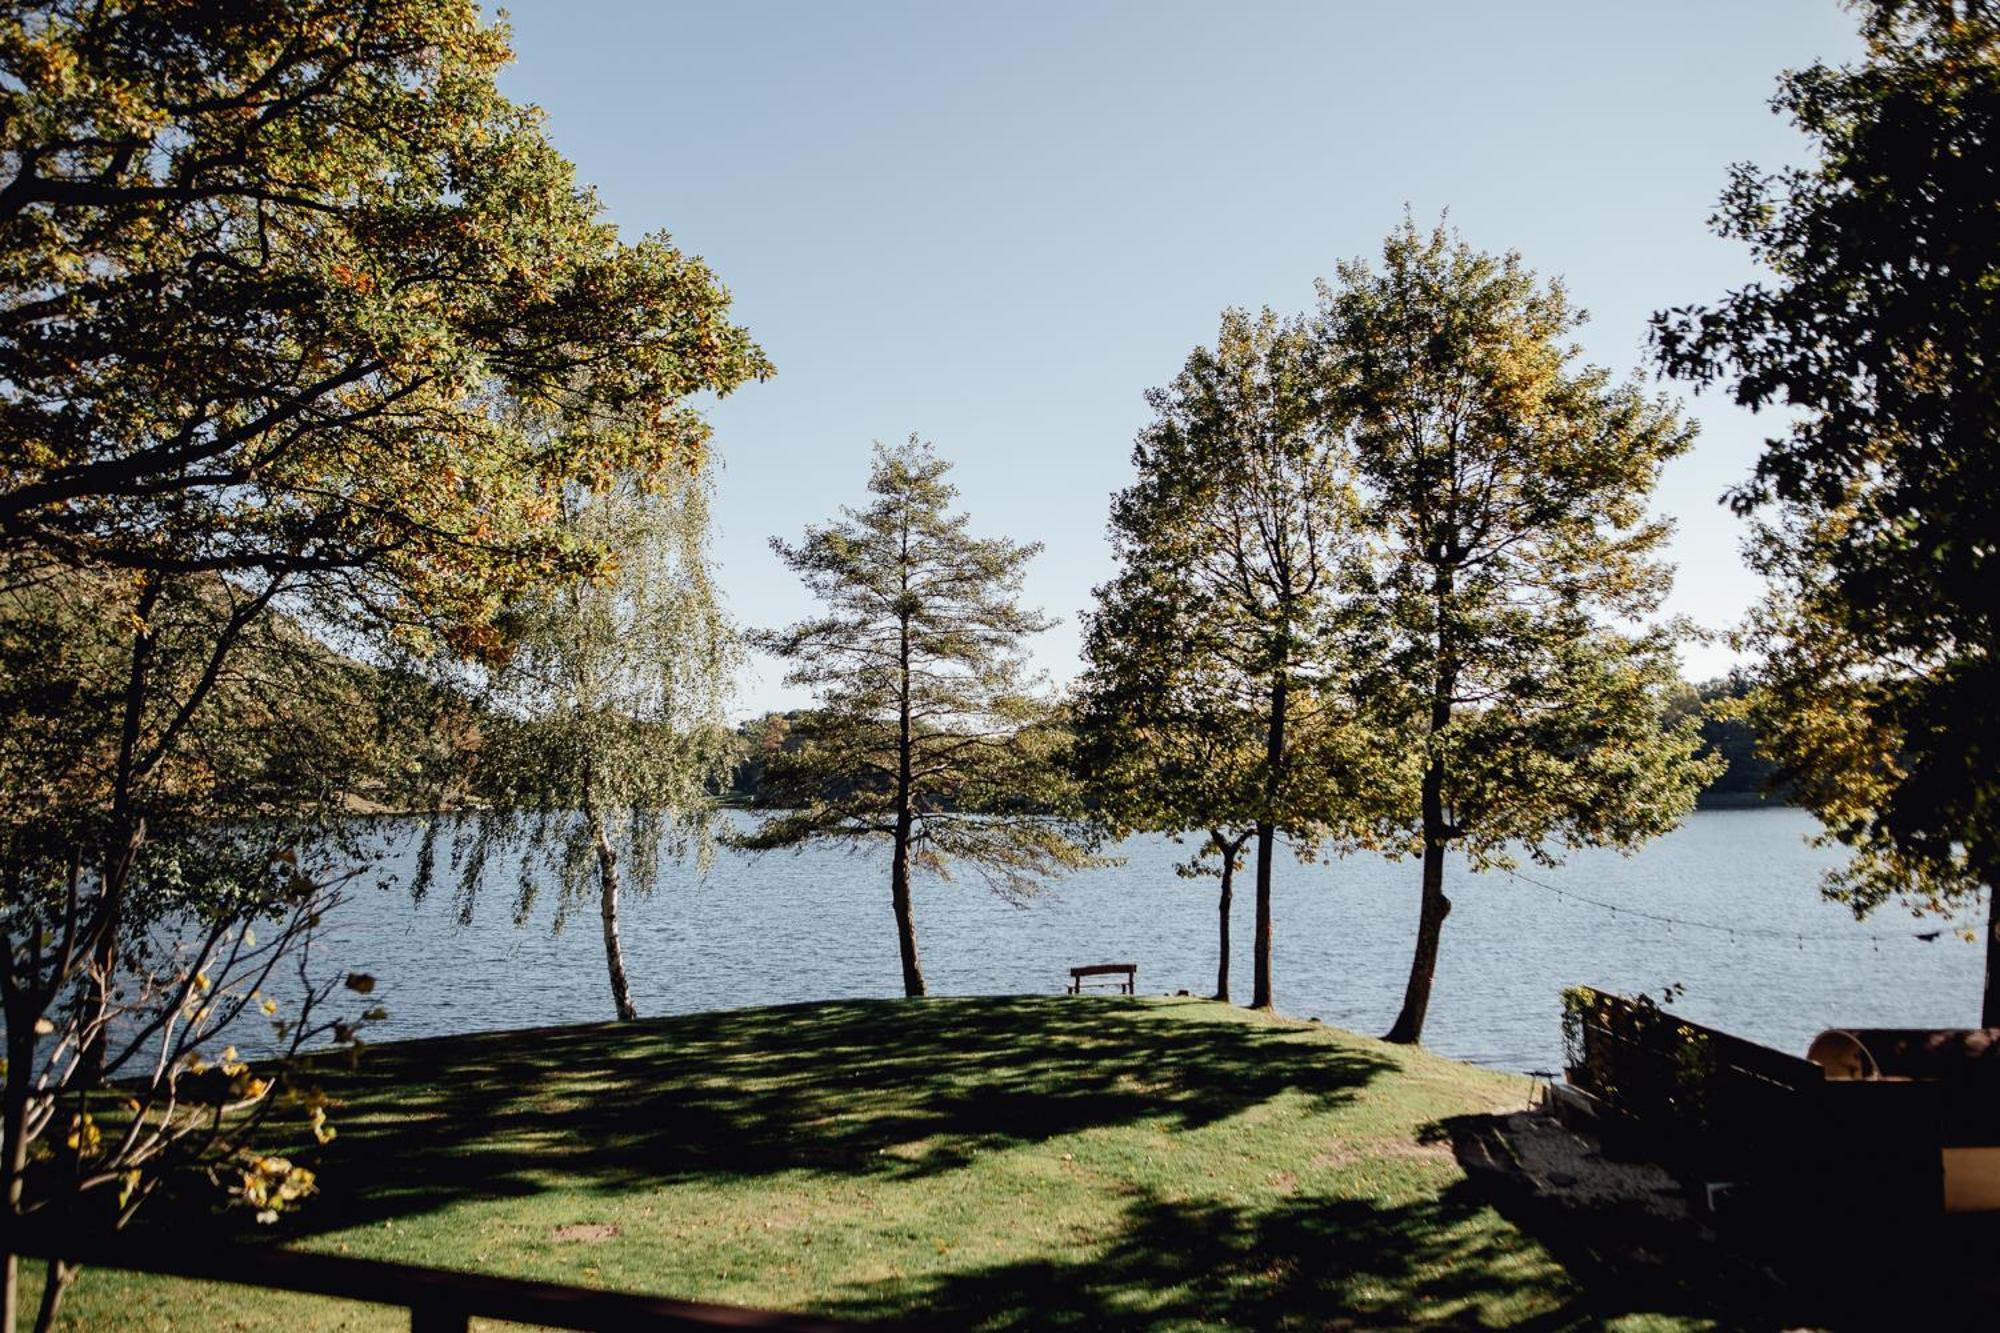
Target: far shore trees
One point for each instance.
(1235, 542)
(606, 741)
(1879, 495)
(263, 281)
(929, 735)
(1512, 485)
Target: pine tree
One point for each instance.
(929, 733)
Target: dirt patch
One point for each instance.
(1343, 1155)
(915, 1150)
(582, 1233)
(1572, 1171)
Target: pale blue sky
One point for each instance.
(996, 226)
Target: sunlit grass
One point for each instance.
(1021, 1162)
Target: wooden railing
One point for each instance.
(1693, 1090)
(1721, 1108)
(439, 1300)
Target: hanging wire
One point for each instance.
(1759, 932)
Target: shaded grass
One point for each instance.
(979, 1163)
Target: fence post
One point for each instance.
(438, 1317)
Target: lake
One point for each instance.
(816, 925)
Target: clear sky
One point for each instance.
(997, 225)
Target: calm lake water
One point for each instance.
(816, 925)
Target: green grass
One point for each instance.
(1024, 1162)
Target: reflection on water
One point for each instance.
(816, 925)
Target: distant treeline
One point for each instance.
(1749, 778)
(1746, 781)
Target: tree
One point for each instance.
(1165, 740)
(1723, 707)
(262, 270)
(237, 776)
(264, 276)
(607, 739)
(757, 741)
(267, 275)
(1512, 486)
(929, 733)
(1879, 497)
(1234, 542)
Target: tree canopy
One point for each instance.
(929, 733)
(1878, 498)
(273, 280)
(1511, 485)
(264, 269)
(1218, 663)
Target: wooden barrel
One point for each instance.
(1948, 1055)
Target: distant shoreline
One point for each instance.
(1740, 800)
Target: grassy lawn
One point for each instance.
(989, 1163)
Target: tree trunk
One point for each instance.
(129, 835)
(1260, 939)
(1989, 1007)
(20, 1073)
(1267, 836)
(55, 1283)
(899, 866)
(122, 859)
(607, 904)
(1409, 1025)
(906, 921)
(1228, 895)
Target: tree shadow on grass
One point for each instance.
(865, 1088)
(1306, 1262)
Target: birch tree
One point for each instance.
(607, 744)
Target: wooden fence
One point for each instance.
(1720, 1108)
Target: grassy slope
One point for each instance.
(992, 1162)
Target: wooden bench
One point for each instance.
(1129, 972)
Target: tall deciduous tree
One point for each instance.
(929, 734)
(1168, 740)
(266, 272)
(1240, 528)
(608, 741)
(1512, 485)
(1880, 336)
